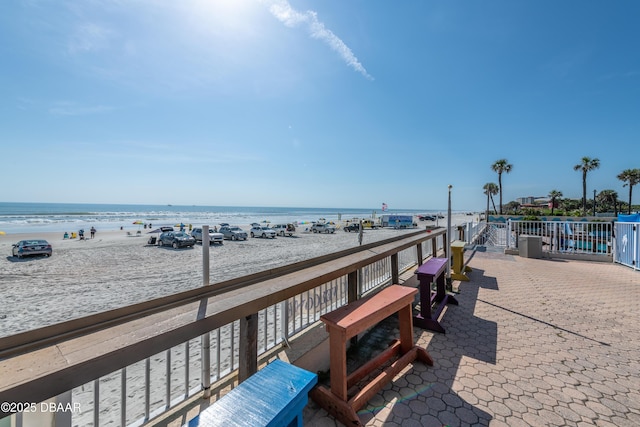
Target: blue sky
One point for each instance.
(327, 103)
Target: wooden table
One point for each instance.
(432, 270)
(349, 321)
(458, 268)
(272, 397)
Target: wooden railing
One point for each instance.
(40, 364)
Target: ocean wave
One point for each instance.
(25, 217)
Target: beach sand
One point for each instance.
(113, 270)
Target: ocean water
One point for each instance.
(61, 217)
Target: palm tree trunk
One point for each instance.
(500, 185)
(486, 216)
(630, 194)
(494, 205)
(584, 193)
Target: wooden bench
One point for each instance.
(274, 396)
(349, 321)
(432, 271)
(458, 268)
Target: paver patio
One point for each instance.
(534, 342)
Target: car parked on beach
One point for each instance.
(352, 227)
(284, 229)
(263, 231)
(323, 228)
(177, 239)
(233, 232)
(214, 237)
(31, 247)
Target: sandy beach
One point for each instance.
(114, 270)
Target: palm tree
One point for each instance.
(501, 166)
(630, 177)
(587, 164)
(554, 194)
(512, 207)
(490, 189)
(607, 199)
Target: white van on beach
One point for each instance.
(284, 229)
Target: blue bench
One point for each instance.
(274, 396)
(432, 271)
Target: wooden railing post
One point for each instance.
(352, 286)
(352, 294)
(445, 236)
(248, 350)
(395, 274)
(419, 253)
(434, 247)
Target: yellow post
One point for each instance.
(459, 269)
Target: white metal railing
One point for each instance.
(627, 244)
(474, 229)
(578, 237)
(374, 275)
(144, 390)
(406, 259)
(132, 406)
(305, 309)
(491, 234)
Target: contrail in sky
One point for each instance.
(290, 17)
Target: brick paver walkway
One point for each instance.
(532, 343)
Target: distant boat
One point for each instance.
(169, 205)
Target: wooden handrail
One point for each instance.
(43, 363)
(37, 338)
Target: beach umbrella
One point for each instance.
(2, 233)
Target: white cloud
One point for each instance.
(290, 17)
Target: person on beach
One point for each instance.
(93, 232)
